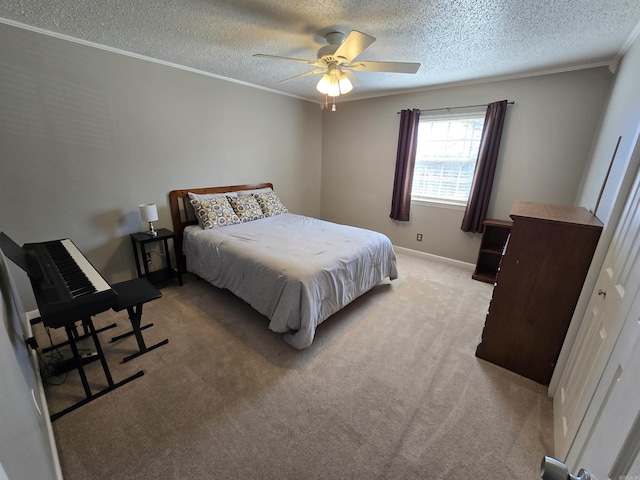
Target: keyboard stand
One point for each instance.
(77, 337)
(89, 396)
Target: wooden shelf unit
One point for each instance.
(494, 238)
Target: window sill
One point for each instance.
(427, 203)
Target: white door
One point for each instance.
(612, 423)
(617, 285)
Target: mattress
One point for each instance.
(295, 270)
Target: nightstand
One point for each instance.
(140, 240)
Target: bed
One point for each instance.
(295, 270)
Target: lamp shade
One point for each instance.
(345, 83)
(324, 83)
(148, 212)
(334, 83)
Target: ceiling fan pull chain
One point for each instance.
(333, 107)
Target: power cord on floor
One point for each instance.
(48, 363)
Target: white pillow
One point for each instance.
(209, 196)
(248, 193)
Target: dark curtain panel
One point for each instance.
(405, 161)
(476, 211)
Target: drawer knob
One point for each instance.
(602, 292)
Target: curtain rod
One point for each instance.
(510, 102)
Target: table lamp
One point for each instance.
(149, 213)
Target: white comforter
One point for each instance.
(295, 270)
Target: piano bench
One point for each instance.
(132, 295)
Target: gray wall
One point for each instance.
(545, 147)
(621, 118)
(87, 135)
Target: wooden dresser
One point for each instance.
(542, 271)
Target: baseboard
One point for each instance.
(42, 397)
(416, 253)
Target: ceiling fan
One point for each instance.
(339, 56)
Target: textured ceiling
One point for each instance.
(454, 40)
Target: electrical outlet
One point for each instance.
(419, 237)
(148, 257)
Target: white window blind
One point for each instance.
(446, 157)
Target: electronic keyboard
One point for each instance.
(66, 286)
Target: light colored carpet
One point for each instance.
(390, 389)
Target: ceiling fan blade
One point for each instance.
(391, 67)
(353, 78)
(312, 72)
(299, 60)
(352, 46)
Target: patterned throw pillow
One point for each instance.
(204, 196)
(270, 204)
(214, 212)
(246, 208)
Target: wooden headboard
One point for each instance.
(182, 213)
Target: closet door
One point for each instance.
(617, 285)
(613, 435)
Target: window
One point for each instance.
(446, 157)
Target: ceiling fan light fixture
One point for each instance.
(329, 85)
(341, 52)
(334, 83)
(324, 84)
(345, 83)
(334, 86)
